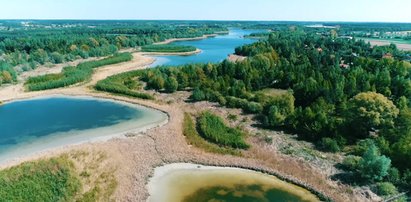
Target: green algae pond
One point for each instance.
(189, 182)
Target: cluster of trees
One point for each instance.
(72, 75)
(339, 91)
(168, 48)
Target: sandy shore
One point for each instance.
(197, 51)
(138, 155)
(185, 39)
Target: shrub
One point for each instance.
(351, 162)
(385, 189)
(373, 166)
(123, 84)
(213, 129)
(329, 145)
(198, 95)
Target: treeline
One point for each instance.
(339, 94)
(124, 84)
(169, 48)
(72, 75)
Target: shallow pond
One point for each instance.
(190, 182)
(36, 124)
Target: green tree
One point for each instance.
(198, 95)
(373, 166)
(370, 110)
(171, 85)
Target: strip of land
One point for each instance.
(380, 42)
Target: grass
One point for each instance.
(77, 176)
(213, 129)
(124, 84)
(44, 180)
(72, 75)
(193, 138)
(168, 48)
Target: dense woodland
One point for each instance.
(341, 94)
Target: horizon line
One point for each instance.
(216, 20)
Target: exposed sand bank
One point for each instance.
(185, 39)
(197, 51)
(167, 184)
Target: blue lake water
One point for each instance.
(214, 49)
(59, 120)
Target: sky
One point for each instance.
(270, 10)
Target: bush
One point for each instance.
(198, 95)
(373, 166)
(193, 138)
(385, 189)
(213, 129)
(123, 84)
(329, 145)
(351, 162)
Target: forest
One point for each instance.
(341, 94)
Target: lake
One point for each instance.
(183, 182)
(214, 49)
(41, 123)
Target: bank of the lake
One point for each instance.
(44, 123)
(192, 182)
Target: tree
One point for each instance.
(372, 166)
(370, 110)
(198, 95)
(6, 77)
(171, 85)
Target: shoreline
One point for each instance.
(167, 41)
(163, 176)
(197, 51)
(61, 140)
